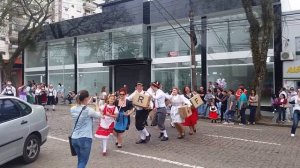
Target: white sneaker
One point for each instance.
(231, 123)
(292, 135)
(241, 124)
(225, 123)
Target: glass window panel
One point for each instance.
(65, 77)
(61, 53)
(127, 42)
(235, 75)
(94, 49)
(38, 76)
(93, 81)
(166, 40)
(35, 56)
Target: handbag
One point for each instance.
(73, 152)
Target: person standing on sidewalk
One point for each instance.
(282, 106)
(224, 104)
(296, 115)
(231, 106)
(243, 103)
(51, 94)
(83, 130)
(253, 102)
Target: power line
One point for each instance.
(172, 26)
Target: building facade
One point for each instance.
(69, 9)
(291, 47)
(134, 40)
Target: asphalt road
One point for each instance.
(213, 146)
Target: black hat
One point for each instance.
(139, 83)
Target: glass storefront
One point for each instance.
(35, 56)
(36, 76)
(92, 49)
(93, 79)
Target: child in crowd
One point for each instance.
(107, 122)
(213, 112)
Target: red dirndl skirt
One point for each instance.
(213, 115)
(104, 133)
(191, 120)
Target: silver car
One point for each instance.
(23, 129)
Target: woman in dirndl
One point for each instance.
(190, 121)
(107, 122)
(23, 93)
(177, 101)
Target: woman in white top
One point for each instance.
(177, 101)
(296, 115)
(103, 96)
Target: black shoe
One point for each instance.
(164, 138)
(116, 143)
(161, 135)
(148, 138)
(141, 141)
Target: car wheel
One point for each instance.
(31, 148)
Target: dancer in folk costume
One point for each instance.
(125, 108)
(159, 98)
(52, 95)
(213, 113)
(9, 90)
(177, 101)
(141, 115)
(107, 122)
(190, 121)
(38, 95)
(22, 93)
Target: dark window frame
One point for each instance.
(16, 108)
(22, 111)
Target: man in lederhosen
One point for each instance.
(141, 115)
(9, 90)
(52, 95)
(159, 98)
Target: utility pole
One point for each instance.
(193, 51)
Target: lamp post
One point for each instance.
(193, 51)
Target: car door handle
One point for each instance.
(24, 122)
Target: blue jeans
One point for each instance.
(296, 118)
(281, 114)
(243, 115)
(201, 109)
(82, 147)
(229, 115)
(252, 114)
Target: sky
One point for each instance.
(290, 5)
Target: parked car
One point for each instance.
(23, 129)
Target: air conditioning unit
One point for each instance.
(286, 56)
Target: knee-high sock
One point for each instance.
(145, 132)
(165, 133)
(142, 135)
(104, 144)
(53, 106)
